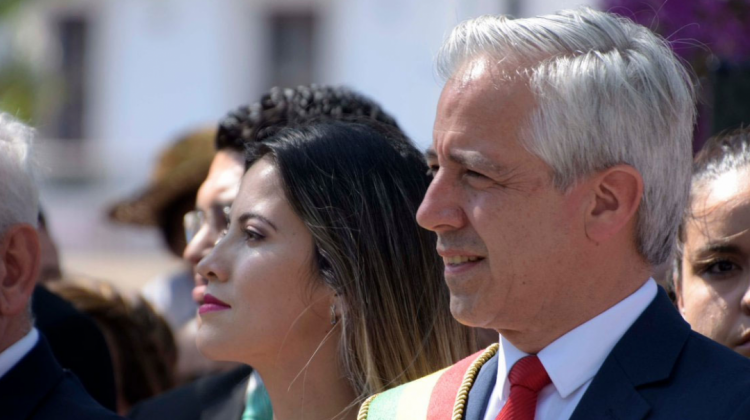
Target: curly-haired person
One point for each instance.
(239, 393)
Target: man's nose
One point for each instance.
(440, 209)
(199, 246)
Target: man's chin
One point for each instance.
(464, 310)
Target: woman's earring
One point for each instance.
(333, 315)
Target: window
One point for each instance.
(292, 42)
(67, 122)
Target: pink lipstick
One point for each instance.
(212, 304)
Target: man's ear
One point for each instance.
(19, 268)
(617, 193)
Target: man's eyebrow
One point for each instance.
(469, 159)
(249, 215)
(476, 160)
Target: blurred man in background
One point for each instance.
(32, 383)
(171, 192)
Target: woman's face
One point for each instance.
(262, 272)
(714, 293)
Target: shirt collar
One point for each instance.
(13, 354)
(573, 359)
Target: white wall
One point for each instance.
(386, 49)
(161, 67)
(158, 67)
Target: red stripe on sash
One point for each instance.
(444, 393)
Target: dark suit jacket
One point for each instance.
(77, 343)
(659, 369)
(37, 388)
(220, 397)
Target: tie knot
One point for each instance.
(529, 373)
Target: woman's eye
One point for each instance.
(253, 235)
(721, 267)
(432, 170)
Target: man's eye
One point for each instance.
(476, 176)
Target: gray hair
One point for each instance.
(19, 197)
(608, 92)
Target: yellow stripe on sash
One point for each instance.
(415, 398)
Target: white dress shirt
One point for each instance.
(13, 354)
(573, 359)
(253, 383)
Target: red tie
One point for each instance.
(527, 377)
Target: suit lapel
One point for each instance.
(611, 396)
(24, 387)
(647, 353)
(479, 395)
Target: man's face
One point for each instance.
(504, 232)
(215, 197)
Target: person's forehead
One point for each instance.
(483, 84)
(718, 197)
(261, 186)
(223, 180)
(225, 162)
(721, 210)
(483, 111)
(262, 195)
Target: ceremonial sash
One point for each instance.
(439, 396)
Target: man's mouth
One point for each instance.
(460, 259)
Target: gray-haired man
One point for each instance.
(561, 160)
(32, 384)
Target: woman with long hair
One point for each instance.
(324, 282)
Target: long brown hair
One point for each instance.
(357, 187)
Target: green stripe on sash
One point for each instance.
(434, 395)
(385, 406)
